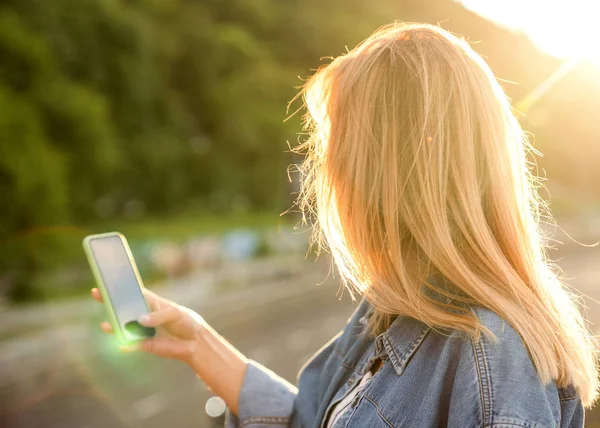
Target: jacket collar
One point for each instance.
(400, 342)
(405, 335)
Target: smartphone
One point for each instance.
(119, 283)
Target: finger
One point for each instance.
(163, 347)
(155, 301)
(106, 327)
(96, 294)
(161, 317)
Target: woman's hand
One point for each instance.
(178, 328)
(184, 335)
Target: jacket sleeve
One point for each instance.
(266, 400)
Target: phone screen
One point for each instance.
(121, 284)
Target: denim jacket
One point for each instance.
(428, 379)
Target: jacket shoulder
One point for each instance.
(510, 391)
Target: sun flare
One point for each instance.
(566, 30)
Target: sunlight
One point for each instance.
(561, 29)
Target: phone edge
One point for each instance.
(107, 302)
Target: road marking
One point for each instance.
(149, 406)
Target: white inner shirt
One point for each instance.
(344, 404)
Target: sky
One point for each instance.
(564, 29)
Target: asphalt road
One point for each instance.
(86, 383)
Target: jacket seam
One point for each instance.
(379, 412)
(513, 422)
(264, 420)
(510, 424)
(337, 352)
(483, 377)
(400, 361)
(395, 359)
(416, 343)
(571, 397)
(488, 375)
(352, 369)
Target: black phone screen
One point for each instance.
(121, 284)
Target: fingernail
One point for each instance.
(144, 319)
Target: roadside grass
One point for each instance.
(59, 265)
(181, 227)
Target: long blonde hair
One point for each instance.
(416, 167)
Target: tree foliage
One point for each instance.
(168, 103)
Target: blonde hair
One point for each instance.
(415, 167)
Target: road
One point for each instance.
(86, 383)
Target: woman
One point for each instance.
(417, 178)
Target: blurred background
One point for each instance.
(164, 119)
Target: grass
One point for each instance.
(57, 248)
(181, 227)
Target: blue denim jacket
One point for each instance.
(428, 379)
